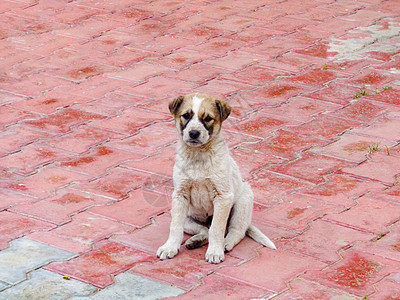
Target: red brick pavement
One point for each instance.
(87, 143)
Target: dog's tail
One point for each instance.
(259, 237)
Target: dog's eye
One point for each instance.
(208, 119)
(186, 116)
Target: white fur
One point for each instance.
(195, 124)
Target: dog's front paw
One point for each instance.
(166, 251)
(215, 256)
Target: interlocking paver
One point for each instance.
(25, 255)
(87, 143)
(43, 284)
(369, 215)
(98, 266)
(79, 235)
(128, 285)
(266, 271)
(356, 273)
(14, 225)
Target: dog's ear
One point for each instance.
(174, 105)
(223, 108)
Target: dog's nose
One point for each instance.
(194, 134)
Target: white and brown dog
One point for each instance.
(207, 183)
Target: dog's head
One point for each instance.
(198, 117)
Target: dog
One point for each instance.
(210, 201)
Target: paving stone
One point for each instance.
(79, 235)
(325, 126)
(342, 190)
(148, 239)
(81, 139)
(164, 160)
(311, 167)
(30, 158)
(259, 160)
(315, 242)
(370, 215)
(296, 212)
(275, 93)
(353, 147)
(285, 144)
(215, 285)
(388, 288)
(14, 225)
(10, 199)
(43, 284)
(386, 245)
(148, 140)
(268, 187)
(309, 290)
(59, 209)
(255, 75)
(119, 182)
(156, 88)
(62, 121)
(301, 108)
(49, 102)
(262, 125)
(373, 168)
(356, 273)
(98, 160)
(185, 270)
(25, 255)
(99, 266)
(137, 209)
(386, 127)
(44, 182)
(94, 87)
(267, 272)
(10, 115)
(128, 285)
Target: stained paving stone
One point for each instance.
(356, 273)
(99, 266)
(353, 147)
(59, 209)
(25, 255)
(304, 289)
(43, 284)
(296, 212)
(14, 225)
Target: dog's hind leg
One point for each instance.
(199, 232)
(240, 218)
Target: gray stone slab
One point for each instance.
(43, 284)
(3, 285)
(132, 286)
(25, 255)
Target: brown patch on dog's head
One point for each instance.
(198, 117)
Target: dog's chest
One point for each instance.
(201, 195)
